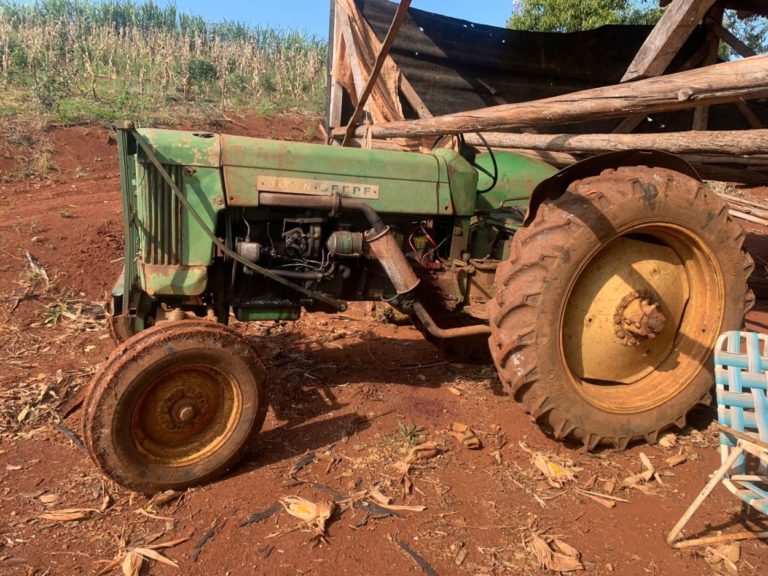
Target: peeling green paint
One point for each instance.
(173, 280)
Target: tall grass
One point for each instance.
(77, 57)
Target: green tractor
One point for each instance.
(599, 290)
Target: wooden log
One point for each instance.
(720, 143)
(726, 82)
(667, 37)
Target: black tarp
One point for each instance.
(455, 65)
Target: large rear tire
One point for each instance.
(607, 311)
(175, 406)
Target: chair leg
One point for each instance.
(713, 482)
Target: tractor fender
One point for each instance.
(555, 186)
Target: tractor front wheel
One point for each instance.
(607, 312)
(174, 406)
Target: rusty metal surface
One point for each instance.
(384, 247)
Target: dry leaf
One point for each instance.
(676, 460)
(647, 464)
(131, 564)
(566, 549)
(600, 500)
(555, 473)
(454, 390)
(548, 559)
(403, 508)
(668, 440)
(23, 414)
(723, 558)
(465, 435)
(168, 543)
(49, 498)
(299, 507)
(163, 498)
(314, 514)
(423, 451)
(68, 514)
(378, 496)
(154, 555)
(731, 551)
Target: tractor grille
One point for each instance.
(160, 216)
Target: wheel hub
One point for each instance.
(637, 316)
(624, 310)
(185, 414)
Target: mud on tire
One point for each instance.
(174, 405)
(571, 258)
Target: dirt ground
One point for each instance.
(352, 390)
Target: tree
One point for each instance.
(573, 15)
(753, 30)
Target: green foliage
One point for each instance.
(410, 432)
(574, 15)
(753, 31)
(80, 60)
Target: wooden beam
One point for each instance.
(413, 98)
(352, 56)
(720, 143)
(701, 113)
(397, 21)
(749, 114)
(726, 36)
(336, 92)
(667, 37)
(629, 123)
(726, 82)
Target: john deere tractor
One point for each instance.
(598, 290)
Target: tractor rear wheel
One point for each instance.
(174, 406)
(608, 309)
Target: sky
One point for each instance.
(312, 15)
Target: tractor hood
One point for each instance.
(439, 184)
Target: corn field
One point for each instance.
(125, 56)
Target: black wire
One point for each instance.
(495, 176)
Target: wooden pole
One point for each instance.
(400, 15)
(726, 82)
(726, 142)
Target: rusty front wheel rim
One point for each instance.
(185, 414)
(673, 366)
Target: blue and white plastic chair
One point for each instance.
(741, 379)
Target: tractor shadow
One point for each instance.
(309, 368)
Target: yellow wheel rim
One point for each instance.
(640, 318)
(185, 414)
